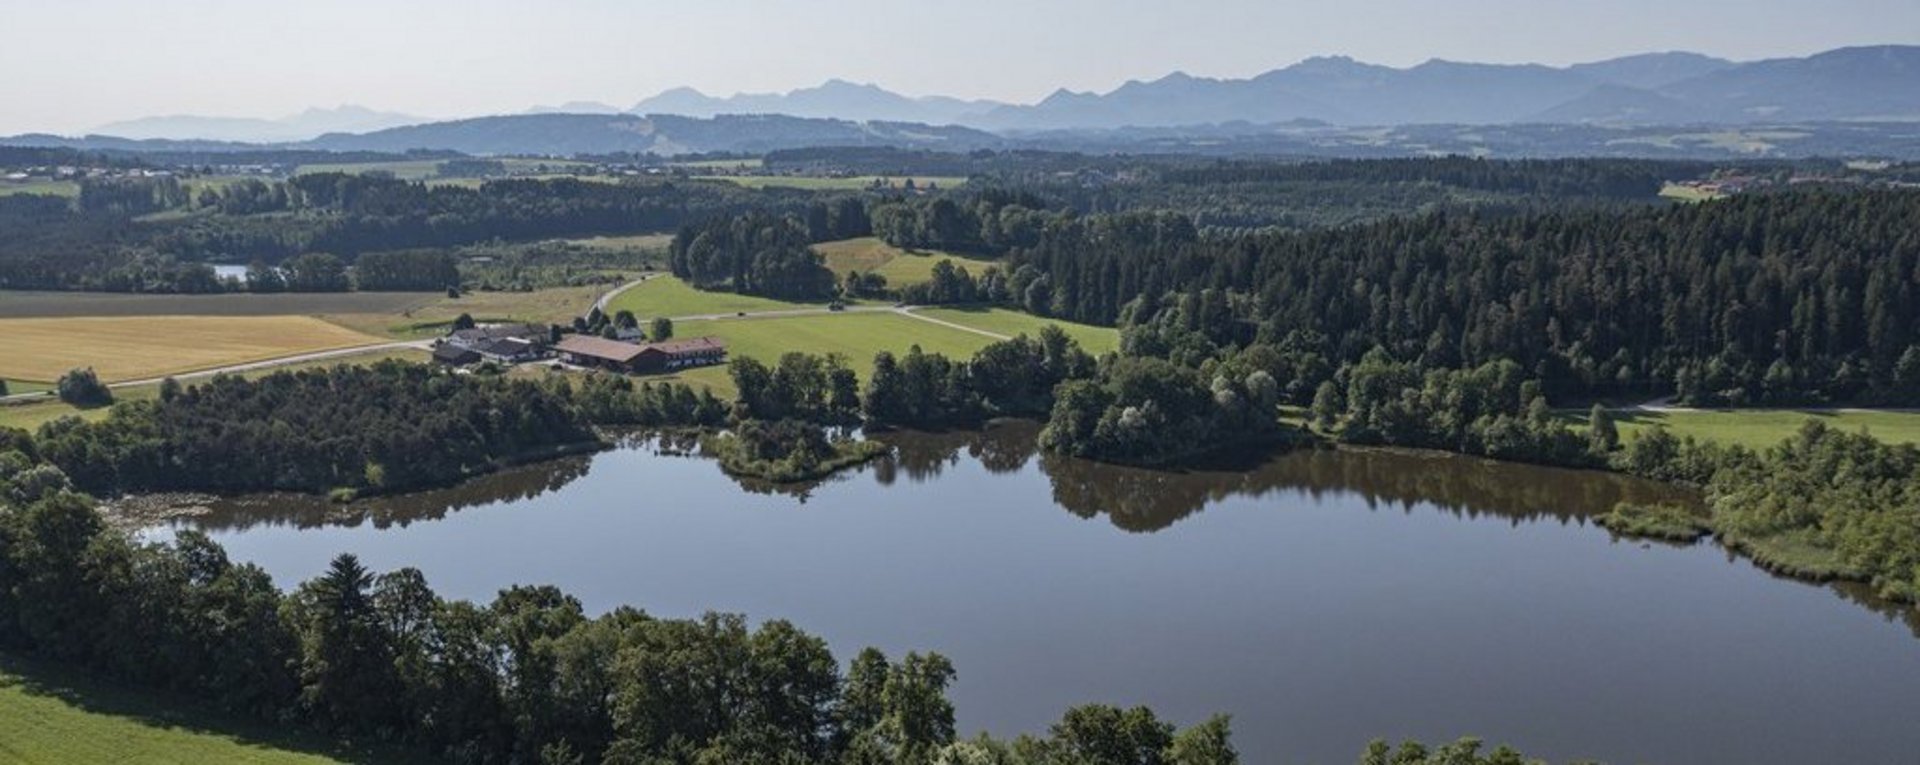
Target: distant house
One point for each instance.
(453, 355)
(629, 334)
(680, 354)
(468, 338)
(589, 351)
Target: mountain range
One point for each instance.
(834, 99)
(311, 123)
(1861, 83)
(1879, 84)
(1868, 83)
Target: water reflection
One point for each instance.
(1134, 499)
(1143, 500)
(1286, 591)
(305, 511)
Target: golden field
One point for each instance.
(136, 347)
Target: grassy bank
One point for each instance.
(1666, 522)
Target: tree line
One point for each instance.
(1773, 298)
(386, 427)
(105, 239)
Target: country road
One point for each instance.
(279, 362)
(250, 366)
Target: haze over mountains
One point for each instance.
(1859, 84)
(308, 124)
(1881, 82)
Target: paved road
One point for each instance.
(609, 295)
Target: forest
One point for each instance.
(1790, 298)
(111, 239)
(347, 430)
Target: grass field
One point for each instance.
(42, 186)
(858, 336)
(811, 183)
(123, 348)
(1095, 340)
(28, 416)
(750, 163)
(426, 169)
(665, 295)
(52, 716)
(15, 305)
(644, 242)
(17, 387)
(1688, 193)
(1761, 428)
(431, 317)
(900, 267)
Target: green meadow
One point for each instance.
(55, 716)
(1761, 428)
(1006, 321)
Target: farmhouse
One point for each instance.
(469, 338)
(509, 350)
(586, 350)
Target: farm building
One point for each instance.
(453, 355)
(510, 350)
(591, 351)
(680, 354)
(468, 338)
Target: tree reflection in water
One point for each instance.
(1137, 500)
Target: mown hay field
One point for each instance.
(135, 347)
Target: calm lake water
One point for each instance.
(1323, 598)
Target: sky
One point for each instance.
(73, 65)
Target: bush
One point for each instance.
(82, 388)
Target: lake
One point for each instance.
(1322, 597)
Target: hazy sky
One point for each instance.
(75, 64)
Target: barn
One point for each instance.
(670, 355)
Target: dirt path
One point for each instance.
(908, 312)
(282, 361)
